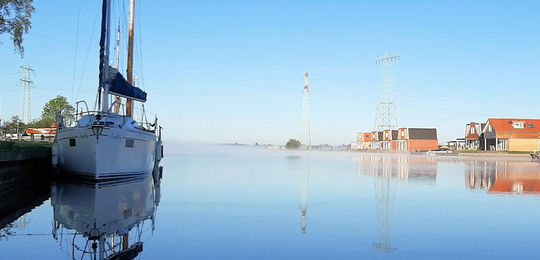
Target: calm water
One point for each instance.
(247, 203)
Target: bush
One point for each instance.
(293, 144)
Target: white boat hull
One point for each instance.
(116, 153)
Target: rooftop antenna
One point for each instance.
(26, 115)
(306, 121)
(385, 117)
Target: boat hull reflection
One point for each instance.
(104, 215)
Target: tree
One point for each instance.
(11, 125)
(15, 20)
(293, 144)
(55, 105)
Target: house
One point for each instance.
(374, 143)
(387, 139)
(394, 142)
(511, 134)
(363, 140)
(473, 135)
(417, 139)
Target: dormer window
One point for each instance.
(518, 125)
(473, 130)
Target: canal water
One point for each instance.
(229, 202)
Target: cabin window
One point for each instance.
(518, 125)
(531, 125)
(472, 130)
(129, 143)
(72, 142)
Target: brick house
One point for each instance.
(417, 139)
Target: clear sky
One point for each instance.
(232, 71)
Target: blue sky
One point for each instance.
(232, 71)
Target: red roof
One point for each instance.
(505, 125)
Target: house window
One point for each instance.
(386, 134)
(473, 130)
(518, 125)
(373, 136)
(489, 128)
(402, 133)
(531, 125)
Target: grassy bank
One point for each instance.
(22, 146)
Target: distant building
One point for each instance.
(417, 139)
(404, 139)
(363, 141)
(473, 135)
(511, 134)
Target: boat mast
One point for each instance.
(118, 100)
(104, 57)
(129, 102)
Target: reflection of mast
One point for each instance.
(384, 199)
(304, 189)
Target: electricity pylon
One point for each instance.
(306, 121)
(26, 115)
(385, 117)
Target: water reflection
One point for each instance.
(503, 177)
(410, 168)
(304, 191)
(386, 171)
(108, 218)
(22, 188)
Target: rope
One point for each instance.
(76, 50)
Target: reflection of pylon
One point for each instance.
(27, 84)
(306, 121)
(384, 199)
(385, 117)
(304, 190)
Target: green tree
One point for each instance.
(11, 125)
(293, 144)
(55, 105)
(15, 20)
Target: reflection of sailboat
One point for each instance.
(504, 177)
(104, 214)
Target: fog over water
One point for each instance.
(234, 202)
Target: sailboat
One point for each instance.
(106, 144)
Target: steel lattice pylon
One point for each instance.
(306, 121)
(385, 117)
(26, 115)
